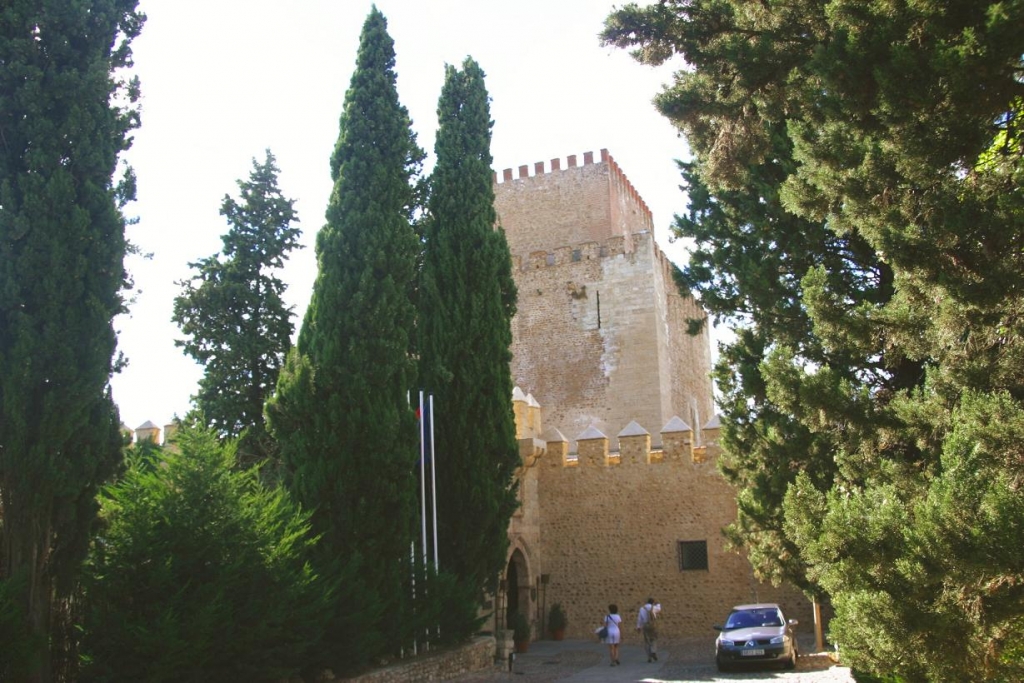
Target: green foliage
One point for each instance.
(466, 303)
(854, 198)
(341, 413)
(20, 646)
(233, 313)
(520, 628)
(199, 574)
(144, 455)
(934, 585)
(65, 116)
(450, 610)
(557, 620)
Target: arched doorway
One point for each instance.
(517, 596)
(511, 595)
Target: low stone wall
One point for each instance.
(437, 666)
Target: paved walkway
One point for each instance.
(579, 661)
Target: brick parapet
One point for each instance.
(570, 205)
(618, 178)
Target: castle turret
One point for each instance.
(147, 431)
(520, 408)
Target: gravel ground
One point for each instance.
(580, 661)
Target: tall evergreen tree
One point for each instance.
(902, 124)
(201, 573)
(232, 310)
(65, 116)
(466, 302)
(748, 267)
(342, 413)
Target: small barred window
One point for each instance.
(693, 555)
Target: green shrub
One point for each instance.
(199, 574)
(18, 649)
(448, 609)
(520, 628)
(557, 620)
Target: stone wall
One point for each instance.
(600, 526)
(439, 666)
(686, 368)
(569, 205)
(611, 524)
(600, 341)
(600, 327)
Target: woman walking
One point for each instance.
(614, 637)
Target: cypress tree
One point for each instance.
(341, 413)
(466, 302)
(233, 312)
(65, 116)
(902, 138)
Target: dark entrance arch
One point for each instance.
(512, 595)
(517, 596)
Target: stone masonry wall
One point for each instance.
(439, 666)
(600, 328)
(583, 337)
(600, 339)
(571, 205)
(610, 534)
(690, 357)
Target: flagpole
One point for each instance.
(423, 477)
(412, 563)
(433, 480)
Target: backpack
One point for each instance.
(649, 629)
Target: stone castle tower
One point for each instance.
(620, 495)
(599, 336)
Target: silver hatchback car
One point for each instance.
(756, 634)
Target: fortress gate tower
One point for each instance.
(600, 334)
(620, 495)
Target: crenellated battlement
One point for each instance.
(555, 166)
(620, 183)
(679, 444)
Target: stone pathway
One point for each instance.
(578, 661)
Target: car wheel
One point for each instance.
(722, 666)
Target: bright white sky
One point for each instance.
(224, 80)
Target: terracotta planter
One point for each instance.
(558, 634)
(522, 646)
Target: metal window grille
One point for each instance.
(693, 556)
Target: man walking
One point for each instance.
(645, 623)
